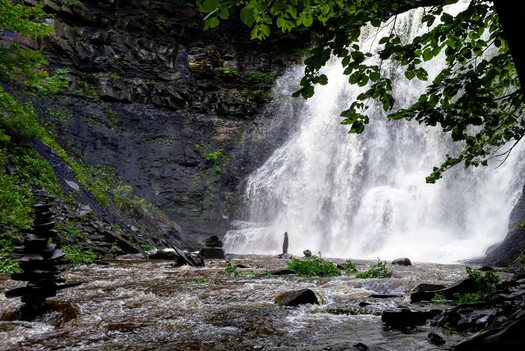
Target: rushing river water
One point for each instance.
(151, 305)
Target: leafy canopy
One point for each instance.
(476, 96)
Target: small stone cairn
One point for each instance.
(213, 248)
(40, 261)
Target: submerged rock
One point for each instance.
(297, 297)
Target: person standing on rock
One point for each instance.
(285, 243)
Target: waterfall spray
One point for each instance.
(365, 196)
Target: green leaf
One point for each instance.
(358, 56)
(375, 22)
(225, 13)
(308, 20)
(211, 22)
(410, 74)
(383, 40)
(209, 5)
(323, 79)
(248, 16)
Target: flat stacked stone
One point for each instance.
(213, 248)
(39, 260)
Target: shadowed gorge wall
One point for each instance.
(175, 110)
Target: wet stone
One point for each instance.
(213, 241)
(212, 252)
(39, 262)
(404, 261)
(404, 317)
(297, 297)
(436, 339)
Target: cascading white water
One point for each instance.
(365, 196)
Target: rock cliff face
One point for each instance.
(508, 251)
(177, 112)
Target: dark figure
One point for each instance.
(285, 243)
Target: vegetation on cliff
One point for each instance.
(25, 77)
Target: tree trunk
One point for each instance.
(511, 13)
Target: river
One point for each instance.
(150, 305)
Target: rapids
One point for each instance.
(149, 305)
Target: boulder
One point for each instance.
(507, 335)
(307, 253)
(404, 317)
(403, 261)
(436, 339)
(463, 287)
(213, 241)
(212, 252)
(165, 254)
(297, 297)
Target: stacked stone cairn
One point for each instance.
(40, 261)
(213, 248)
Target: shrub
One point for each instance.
(485, 282)
(77, 256)
(378, 270)
(313, 267)
(439, 298)
(350, 267)
(231, 270)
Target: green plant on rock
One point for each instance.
(229, 71)
(231, 270)
(521, 257)
(378, 270)
(250, 273)
(467, 298)
(71, 231)
(78, 256)
(350, 267)
(7, 264)
(27, 170)
(313, 266)
(215, 158)
(486, 283)
(262, 77)
(439, 298)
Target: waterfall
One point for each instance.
(365, 196)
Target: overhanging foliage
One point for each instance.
(476, 96)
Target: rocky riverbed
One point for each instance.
(152, 305)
